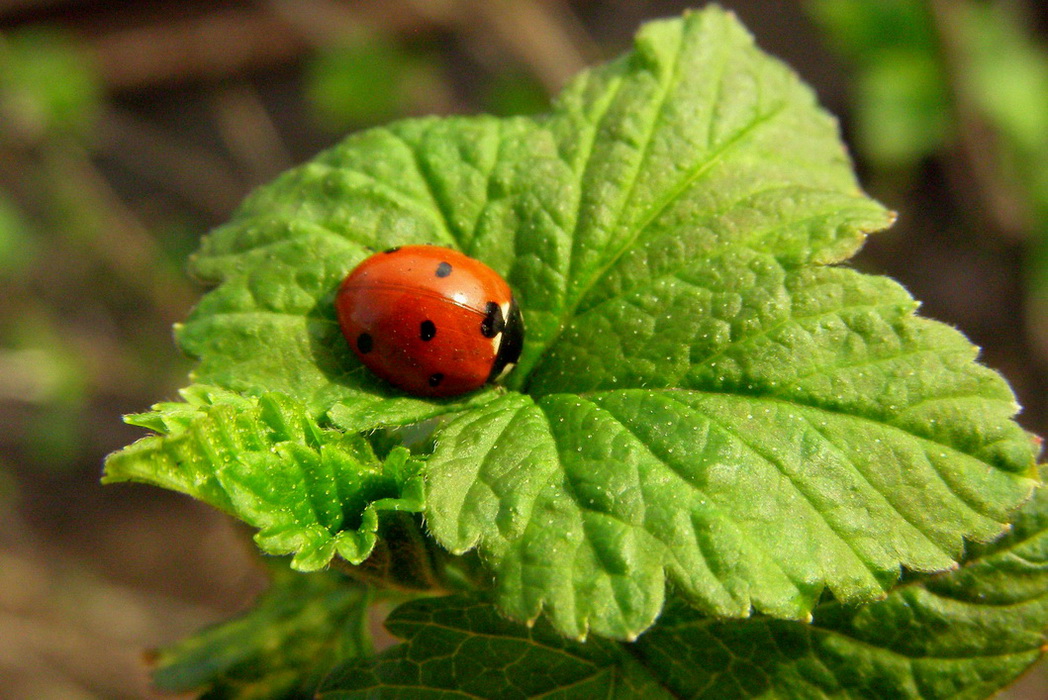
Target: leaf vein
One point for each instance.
(860, 473)
(725, 245)
(803, 492)
(675, 469)
(436, 210)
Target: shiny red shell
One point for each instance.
(430, 320)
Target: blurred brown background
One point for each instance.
(128, 129)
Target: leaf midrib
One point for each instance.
(571, 307)
(690, 178)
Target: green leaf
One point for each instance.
(458, 647)
(714, 407)
(966, 634)
(745, 501)
(693, 146)
(270, 325)
(702, 400)
(283, 647)
(310, 491)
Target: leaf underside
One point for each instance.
(703, 399)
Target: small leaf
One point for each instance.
(966, 634)
(282, 648)
(311, 492)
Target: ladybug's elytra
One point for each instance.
(430, 320)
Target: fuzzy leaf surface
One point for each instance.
(310, 492)
(965, 634)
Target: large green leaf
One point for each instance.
(703, 399)
(965, 634)
(311, 492)
(709, 403)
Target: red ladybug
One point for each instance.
(430, 320)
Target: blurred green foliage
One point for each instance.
(17, 244)
(513, 93)
(41, 369)
(369, 78)
(901, 96)
(281, 648)
(47, 86)
(67, 262)
(934, 78)
(1004, 71)
(50, 97)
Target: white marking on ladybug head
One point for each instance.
(505, 370)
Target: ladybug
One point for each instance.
(430, 320)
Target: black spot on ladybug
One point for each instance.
(443, 269)
(427, 329)
(436, 379)
(365, 343)
(391, 250)
(493, 322)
